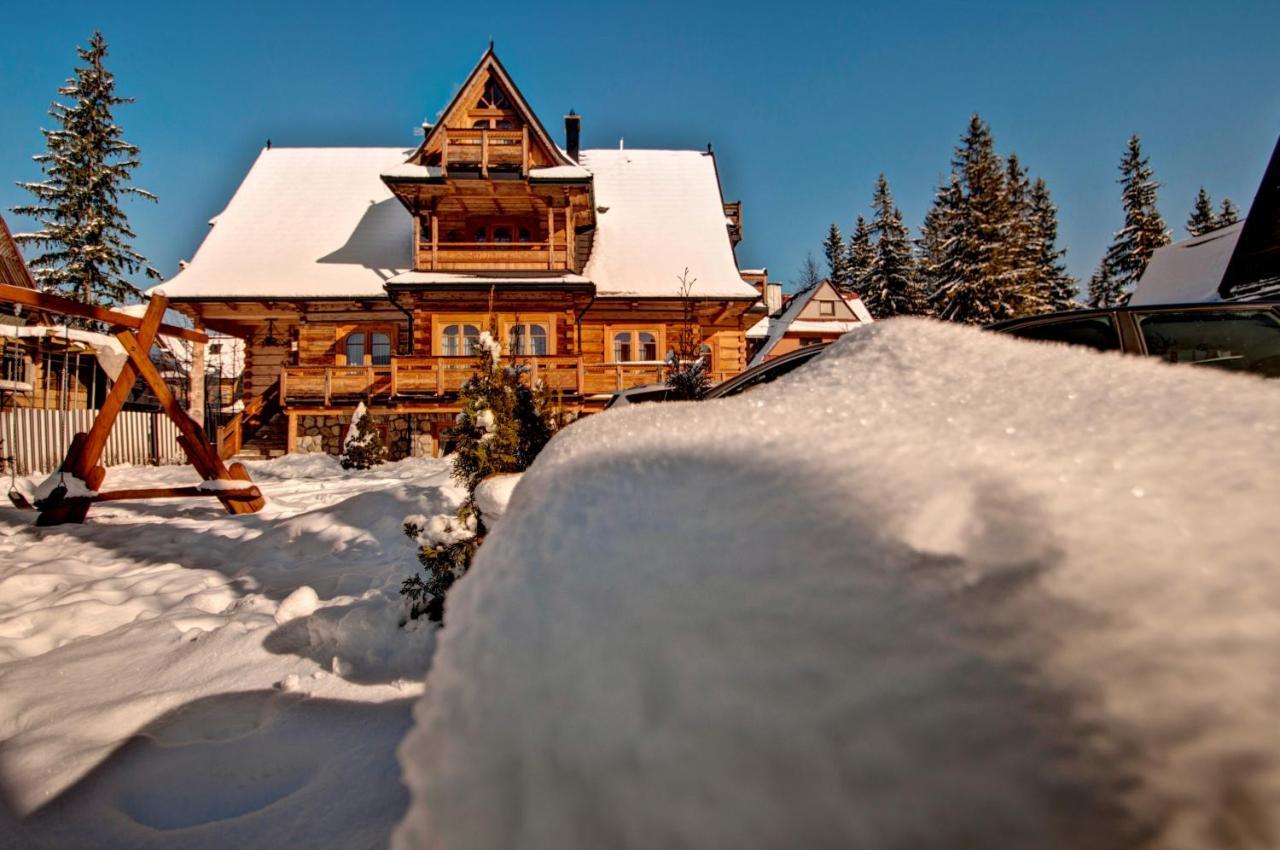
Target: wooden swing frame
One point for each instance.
(85, 452)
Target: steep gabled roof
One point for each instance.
(13, 270)
(490, 64)
(776, 327)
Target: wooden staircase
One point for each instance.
(258, 431)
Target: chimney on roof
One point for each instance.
(572, 134)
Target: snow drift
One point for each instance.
(938, 589)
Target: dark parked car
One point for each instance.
(1240, 336)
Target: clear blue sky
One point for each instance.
(805, 103)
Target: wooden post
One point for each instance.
(444, 150)
(291, 439)
(484, 151)
(533, 374)
(439, 376)
(435, 239)
(582, 375)
(524, 151)
(551, 237)
(195, 403)
(328, 384)
(618, 368)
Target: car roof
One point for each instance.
(1265, 303)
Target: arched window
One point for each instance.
(527, 340)
(459, 340)
(622, 347)
(355, 349)
(368, 348)
(704, 354)
(647, 346)
(380, 348)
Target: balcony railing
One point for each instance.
(408, 378)
(489, 256)
(484, 149)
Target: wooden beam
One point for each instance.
(245, 494)
(67, 307)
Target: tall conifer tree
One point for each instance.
(84, 233)
(1058, 290)
(1144, 231)
(834, 249)
(1202, 218)
(861, 257)
(892, 287)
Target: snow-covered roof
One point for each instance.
(110, 353)
(306, 222)
(776, 327)
(1189, 271)
(320, 223)
(658, 212)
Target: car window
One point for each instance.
(766, 374)
(1093, 331)
(1240, 340)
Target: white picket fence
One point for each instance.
(37, 440)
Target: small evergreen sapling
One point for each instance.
(363, 448)
(502, 426)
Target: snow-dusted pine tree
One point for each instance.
(972, 273)
(834, 249)
(1202, 218)
(502, 426)
(1020, 254)
(84, 234)
(860, 257)
(892, 287)
(1058, 290)
(363, 448)
(1229, 214)
(1144, 231)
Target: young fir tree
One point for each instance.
(363, 448)
(834, 249)
(502, 426)
(1058, 290)
(970, 267)
(860, 257)
(1229, 214)
(84, 234)
(1144, 231)
(1202, 218)
(892, 287)
(687, 374)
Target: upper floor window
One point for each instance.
(375, 345)
(632, 346)
(459, 340)
(528, 340)
(826, 308)
(494, 97)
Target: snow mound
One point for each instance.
(940, 588)
(300, 603)
(494, 494)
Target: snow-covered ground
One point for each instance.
(938, 589)
(172, 676)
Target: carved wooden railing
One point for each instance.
(257, 412)
(485, 148)
(417, 377)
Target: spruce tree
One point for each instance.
(1020, 249)
(970, 266)
(1058, 290)
(84, 234)
(1229, 214)
(833, 248)
(892, 287)
(363, 448)
(861, 257)
(1202, 218)
(1144, 231)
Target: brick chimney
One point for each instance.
(572, 134)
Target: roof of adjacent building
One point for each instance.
(1189, 271)
(774, 328)
(320, 223)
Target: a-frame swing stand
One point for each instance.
(85, 452)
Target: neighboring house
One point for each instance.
(367, 274)
(1240, 261)
(820, 314)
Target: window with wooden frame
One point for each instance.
(635, 345)
(369, 347)
(502, 231)
(528, 339)
(458, 339)
(826, 308)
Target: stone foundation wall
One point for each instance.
(405, 435)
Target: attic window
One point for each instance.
(494, 97)
(826, 308)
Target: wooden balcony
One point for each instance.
(484, 149)
(490, 256)
(410, 378)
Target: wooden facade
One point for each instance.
(502, 223)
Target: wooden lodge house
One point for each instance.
(367, 274)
